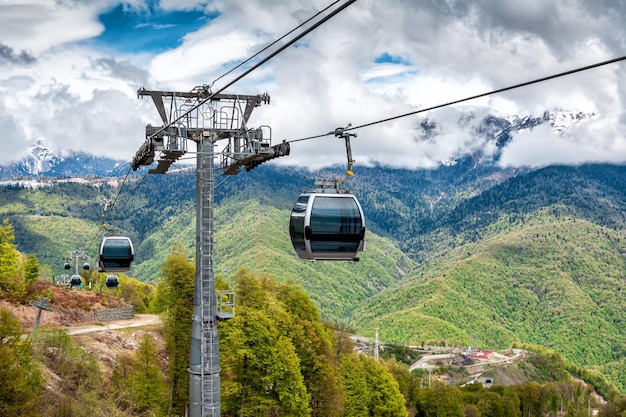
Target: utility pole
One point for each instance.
(206, 119)
(376, 345)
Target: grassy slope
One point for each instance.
(255, 237)
(556, 282)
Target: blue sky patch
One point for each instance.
(386, 58)
(154, 31)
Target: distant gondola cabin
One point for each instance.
(112, 281)
(76, 281)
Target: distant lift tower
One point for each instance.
(206, 119)
(41, 304)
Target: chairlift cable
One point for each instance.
(306, 32)
(105, 214)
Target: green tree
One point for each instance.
(9, 256)
(147, 384)
(530, 397)
(261, 369)
(314, 345)
(357, 389)
(370, 388)
(386, 400)
(440, 400)
(263, 377)
(175, 295)
(289, 385)
(407, 382)
(21, 380)
(31, 268)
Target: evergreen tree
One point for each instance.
(261, 373)
(175, 295)
(357, 389)
(20, 376)
(289, 385)
(440, 400)
(9, 256)
(148, 388)
(31, 268)
(386, 400)
(314, 345)
(407, 382)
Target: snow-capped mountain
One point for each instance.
(486, 134)
(486, 128)
(43, 161)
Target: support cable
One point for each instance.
(275, 42)
(500, 90)
(182, 213)
(256, 66)
(105, 214)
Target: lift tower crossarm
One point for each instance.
(157, 96)
(182, 124)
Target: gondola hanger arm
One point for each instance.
(340, 132)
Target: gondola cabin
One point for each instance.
(76, 281)
(67, 265)
(327, 226)
(112, 281)
(86, 266)
(116, 254)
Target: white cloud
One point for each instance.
(203, 52)
(596, 140)
(449, 50)
(38, 25)
(101, 125)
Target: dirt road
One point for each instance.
(138, 321)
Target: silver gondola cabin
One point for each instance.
(116, 254)
(327, 226)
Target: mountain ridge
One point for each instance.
(490, 131)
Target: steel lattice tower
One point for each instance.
(206, 119)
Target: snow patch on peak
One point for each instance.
(40, 158)
(563, 120)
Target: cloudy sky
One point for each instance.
(70, 70)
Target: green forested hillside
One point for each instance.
(551, 281)
(255, 236)
(593, 192)
(534, 257)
